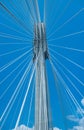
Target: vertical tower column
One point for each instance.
(42, 111)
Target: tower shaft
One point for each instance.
(42, 113)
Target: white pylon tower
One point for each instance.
(42, 108)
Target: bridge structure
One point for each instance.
(68, 107)
(42, 104)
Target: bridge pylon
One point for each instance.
(42, 104)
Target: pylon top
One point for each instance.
(40, 40)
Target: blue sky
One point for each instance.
(65, 37)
